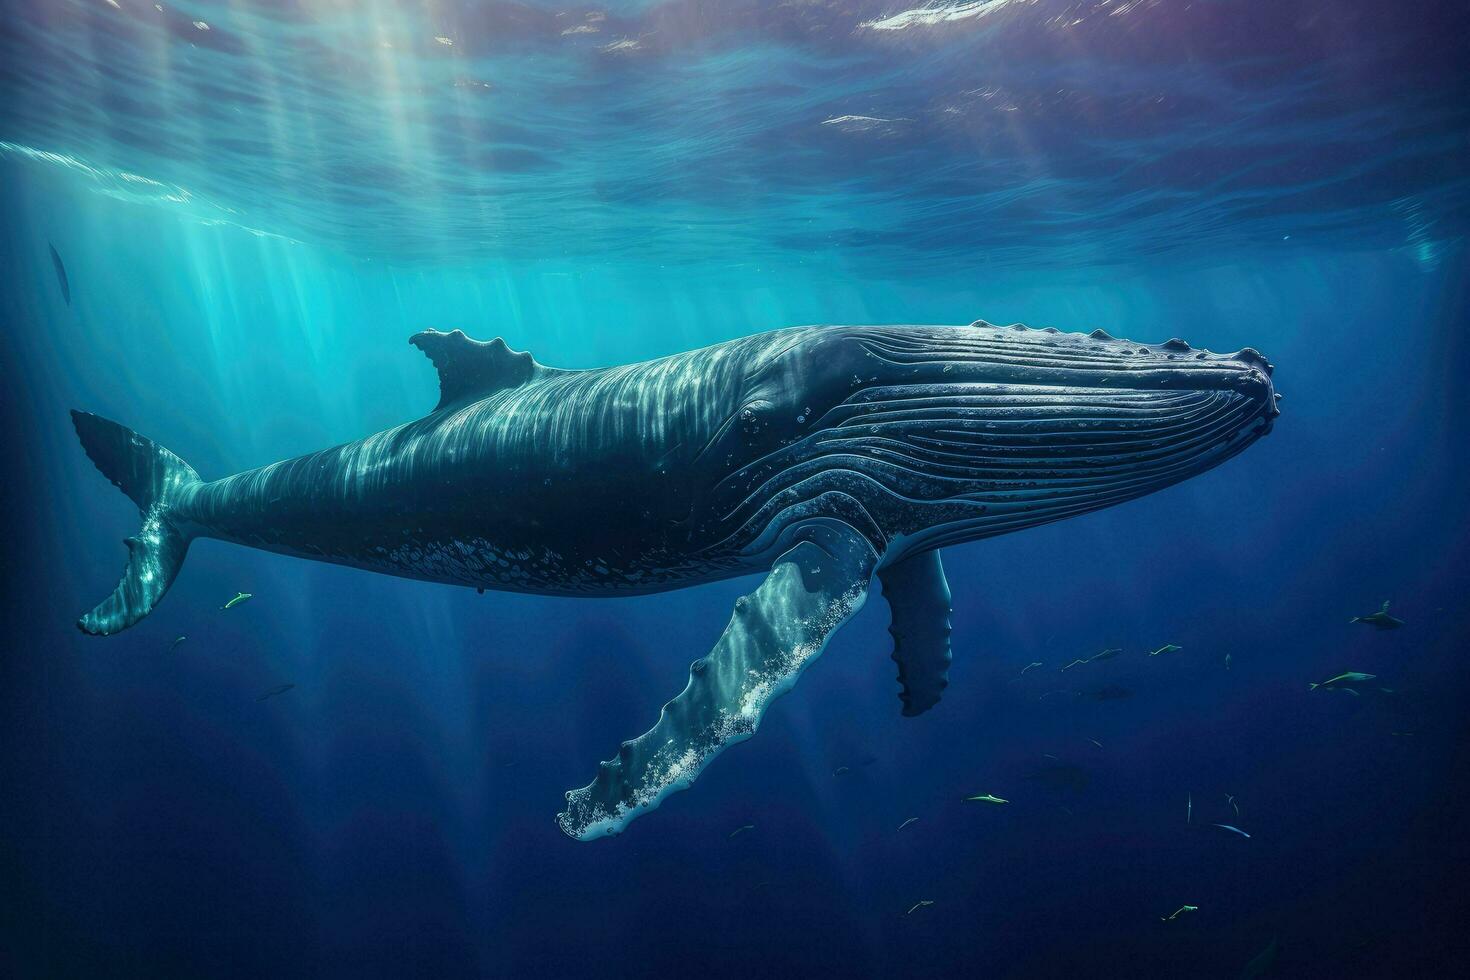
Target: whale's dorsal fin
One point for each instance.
(472, 369)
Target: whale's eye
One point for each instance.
(755, 415)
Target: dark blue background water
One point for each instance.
(254, 217)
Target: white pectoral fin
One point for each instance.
(775, 632)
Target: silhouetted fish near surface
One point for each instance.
(61, 279)
(175, 644)
(278, 689)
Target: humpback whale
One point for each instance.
(820, 457)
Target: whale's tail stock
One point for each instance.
(156, 480)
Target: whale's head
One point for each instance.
(924, 436)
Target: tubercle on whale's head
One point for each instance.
(946, 433)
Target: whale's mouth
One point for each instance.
(1001, 457)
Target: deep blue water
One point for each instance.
(255, 216)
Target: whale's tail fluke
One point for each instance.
(156, 480)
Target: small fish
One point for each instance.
(1048, 755)
(1402, 733)
(922, 903)
(1166, 648)
(841, 771)
(1095, 742)
(1227, 661)
(1341, 681)
(907, 822)
(1189, 808)
(740, 830)
(278, 689)
(239, 598)
(175, 644)
(1233, 830)
(1034, 663)
(1178, 912)
(1231, 800)
(1380, 620)
(61, 279)
(1074, 663)
(985, 798)
(1107, 654)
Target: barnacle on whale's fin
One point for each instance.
(918, 598)
(775, 633)
(472, 369)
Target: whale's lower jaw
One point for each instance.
(940, 464)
